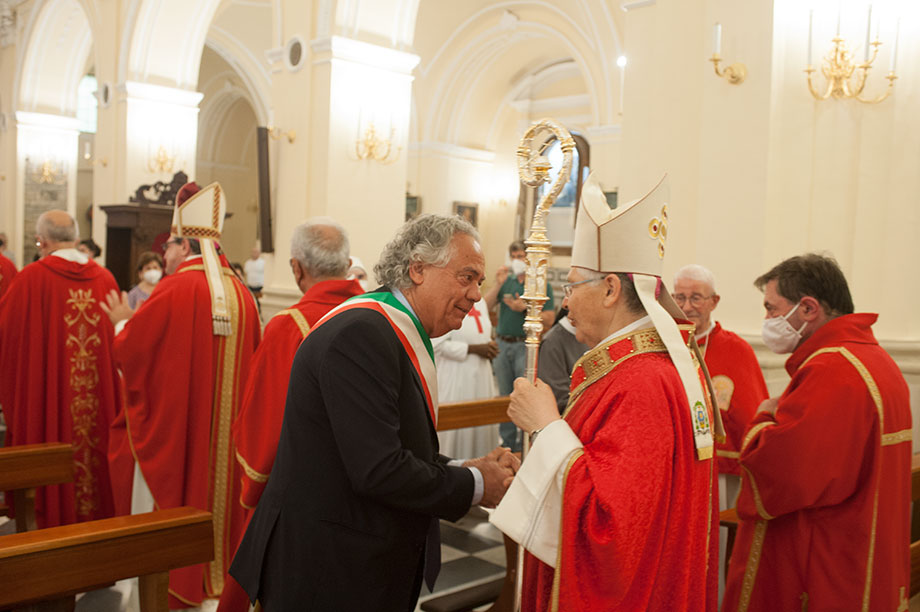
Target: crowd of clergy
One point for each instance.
(313, 442)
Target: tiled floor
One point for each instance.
(472, 553)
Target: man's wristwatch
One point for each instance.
(533, 434)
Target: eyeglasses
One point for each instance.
(568, 287)
(696, 300)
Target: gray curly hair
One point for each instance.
(425, 239)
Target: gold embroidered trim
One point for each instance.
(905, 435)
(758, 502)
(804, 598)
(554, 598)
(224, 407)
(728, 454)
(644, 341)
(299, 319)
(200, 267)
(753, 562)
(877, 399)
(753, 432)
(251, 474)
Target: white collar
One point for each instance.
(645, 321)
(72, 255)
(567, 325)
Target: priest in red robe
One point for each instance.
(825, 502)
(7, 272)
(184, 356)
(616, 503)
(320, 262)
(57, 378)
(736, 378)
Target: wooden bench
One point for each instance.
(52, 565)
(501, 590)
(24, 468)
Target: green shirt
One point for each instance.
(511, 323)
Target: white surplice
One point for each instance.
(463, 376)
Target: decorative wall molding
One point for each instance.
(384, 58)
(451, 151)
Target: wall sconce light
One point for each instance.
(735, 73)
(161, 163)
(371, 146)
(88, 156)
(276, 133)
(838, 68)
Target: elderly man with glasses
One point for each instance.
(736, 377)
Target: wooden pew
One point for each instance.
(501, 590)
(24, 468)
(52, 565)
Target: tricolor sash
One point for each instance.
(411, 334)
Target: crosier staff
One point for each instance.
(534, 171)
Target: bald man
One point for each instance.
(57, 378)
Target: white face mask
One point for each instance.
(779, 335)
(518, 267)
(152, 276)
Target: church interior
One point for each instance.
(373, 111)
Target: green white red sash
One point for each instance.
(411, 334)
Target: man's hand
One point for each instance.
(533, 406)
(489, 350)
(768, 405)
(501, 275)
(498, 469)
(116, 306)
(515, 303)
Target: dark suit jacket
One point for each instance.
(356, 481)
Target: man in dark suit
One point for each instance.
(349, 517)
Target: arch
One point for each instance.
(176, 29)
(254, 74)
(473, 47)
(59, 39)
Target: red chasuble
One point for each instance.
(183, 389)
(258, 427)
(640, 511)
(739, 387)
(825, 495)
(57, 378)
(7, 272)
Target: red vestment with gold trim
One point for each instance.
(258, 426)
(7, 272)
(825, 496)
(739, 386)
(57, 378)
(183, 387)
(639, 518)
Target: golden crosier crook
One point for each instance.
(534, 168)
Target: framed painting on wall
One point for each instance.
(468, 211)
(413, 206)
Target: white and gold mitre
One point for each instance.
(201, 215)
(632, 239)
(629, 238)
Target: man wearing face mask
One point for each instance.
(825, 503)
(512, 356)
